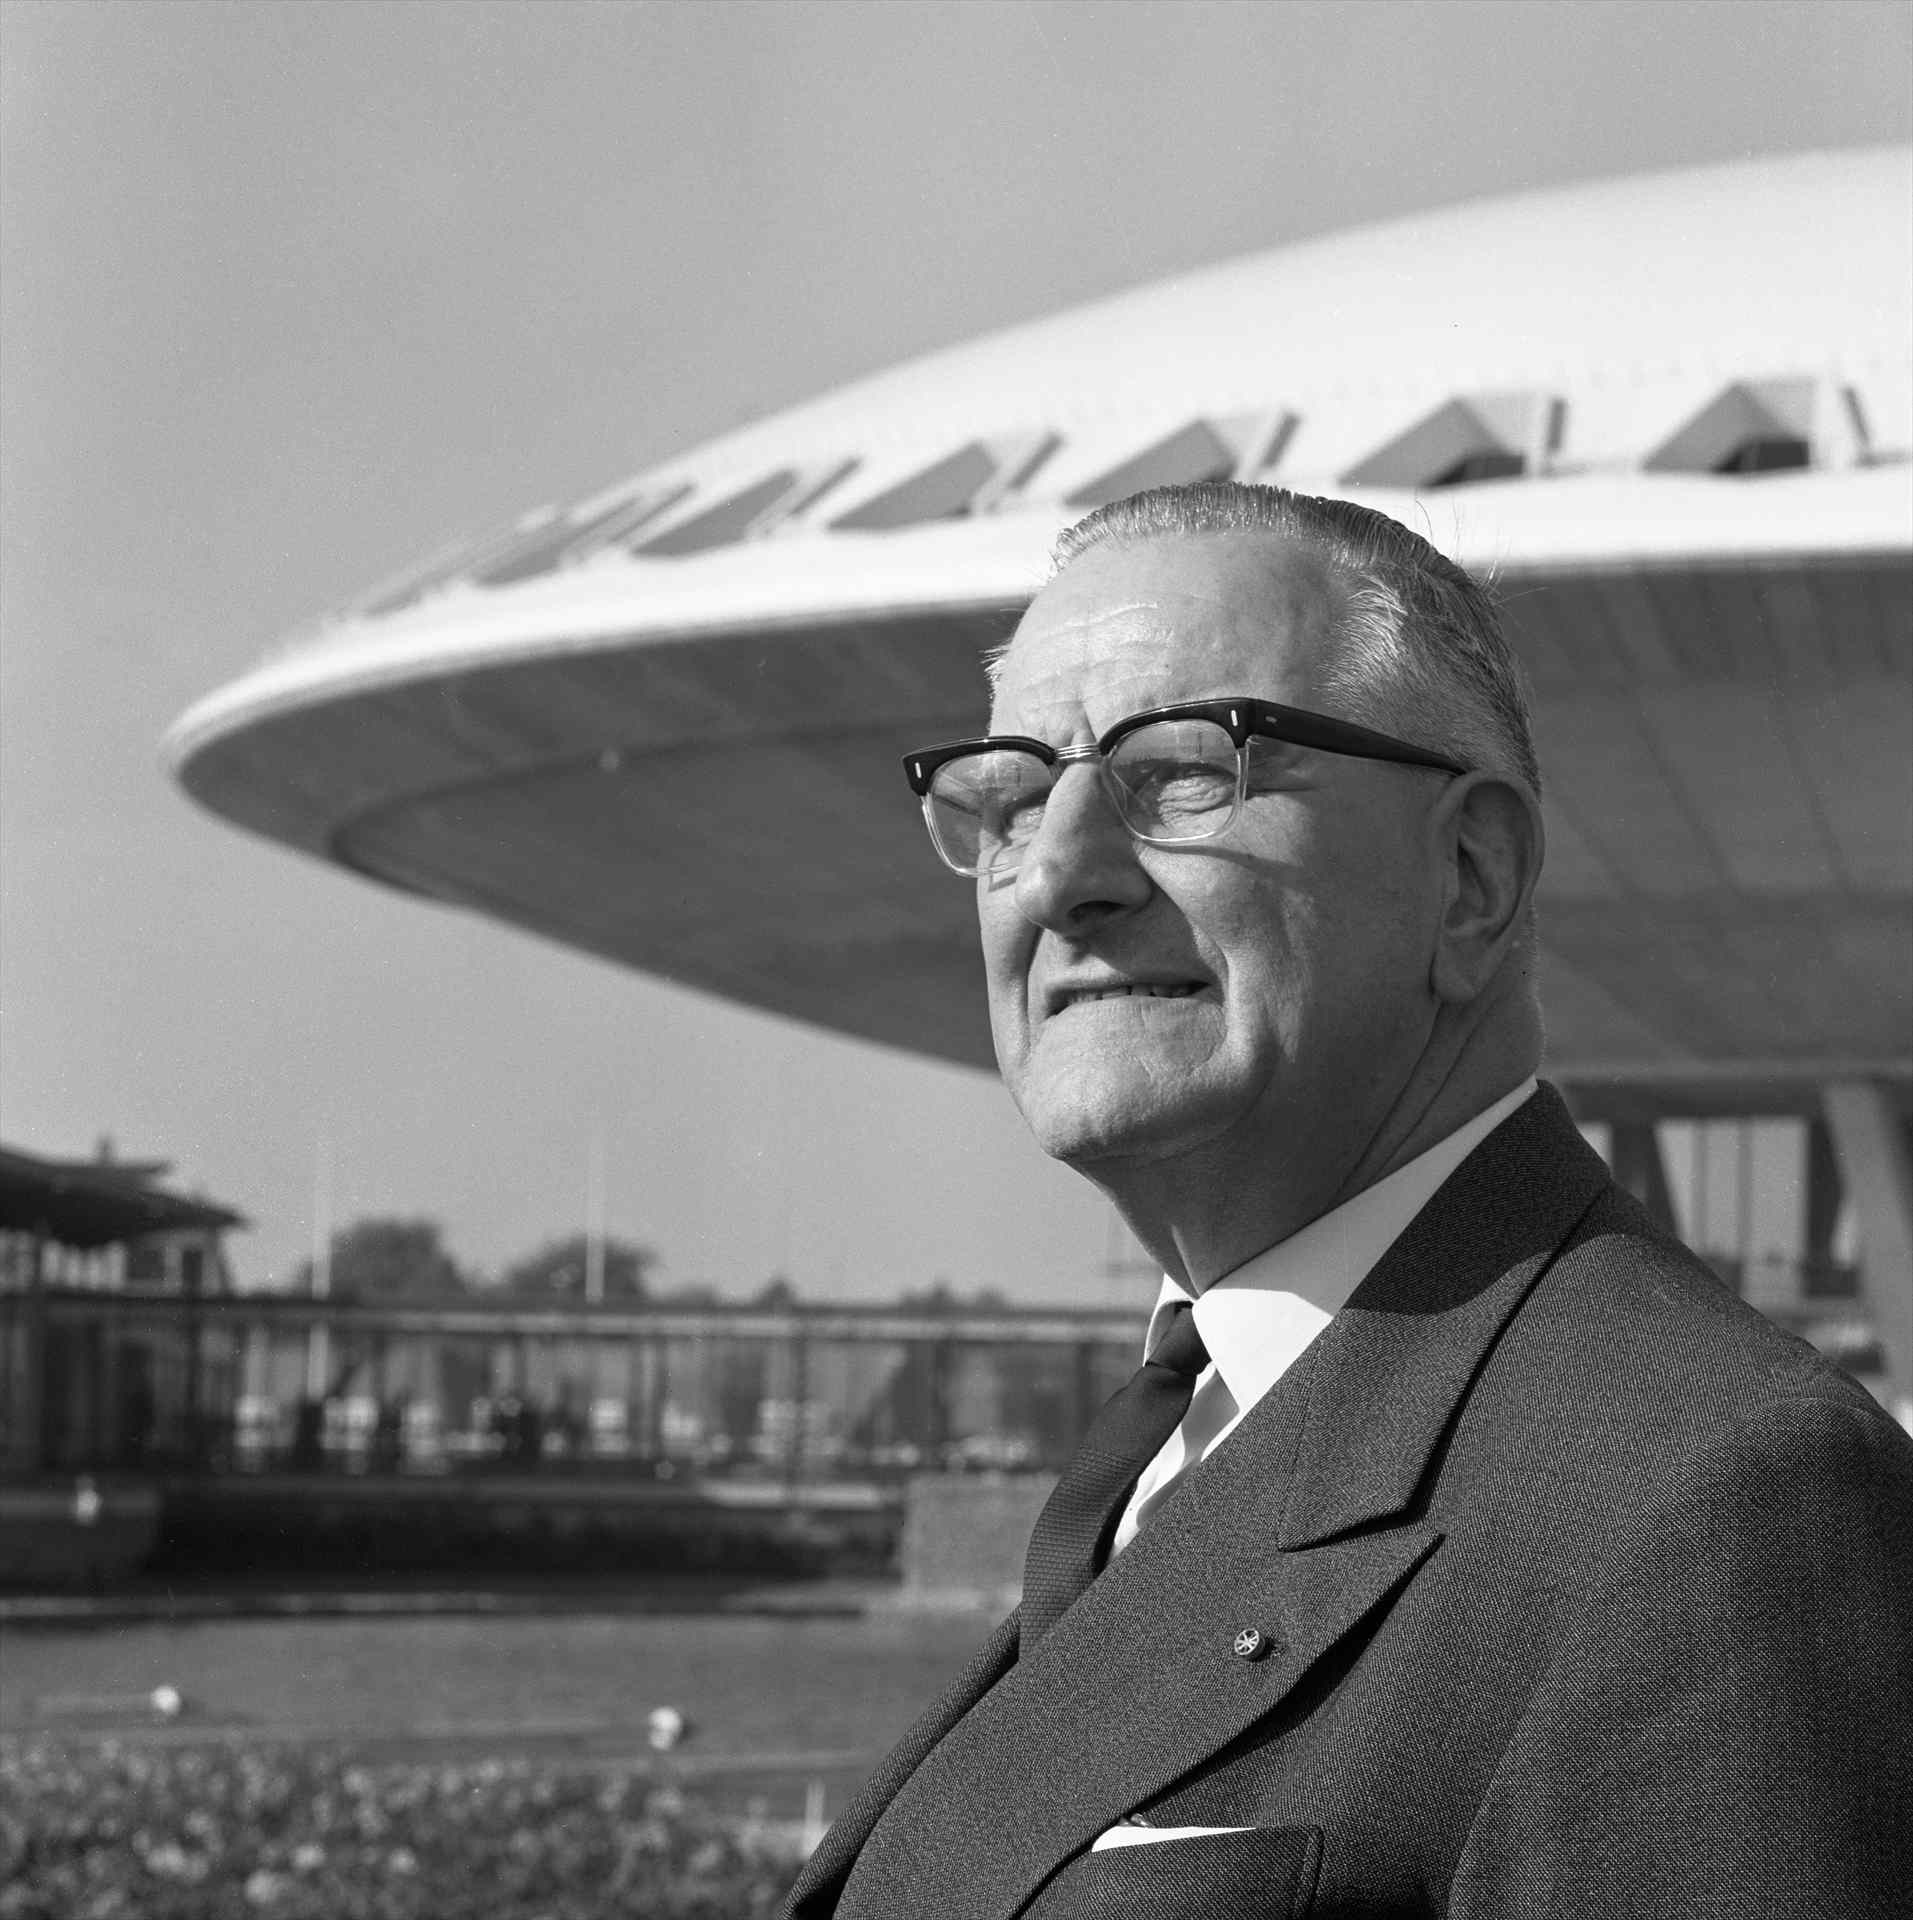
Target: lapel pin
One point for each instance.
(1251, 1643)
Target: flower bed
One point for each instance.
(296, 1833)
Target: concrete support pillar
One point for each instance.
(657, 1391)
(255, 1376)
(1877, 1169)
(1821, 1226)
(1638, 1166)
(318, 1359)
(192, 1279)
(111, 1435)
(29, 1428)
(795, 1462)
(428, 1382)
(939, 1357)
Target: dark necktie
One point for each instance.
(1070, 1543)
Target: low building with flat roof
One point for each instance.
(103, 1272)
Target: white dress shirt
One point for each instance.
(1257, 1321)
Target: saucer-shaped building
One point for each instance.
(1671, 415)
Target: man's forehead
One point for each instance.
(1240, 601)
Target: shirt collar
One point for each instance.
(1257, 1319)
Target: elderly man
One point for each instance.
(1463, 1547)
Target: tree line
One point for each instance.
(390, 1259)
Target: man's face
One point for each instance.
(1261, 993)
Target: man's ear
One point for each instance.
(1489, 837)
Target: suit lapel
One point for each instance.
(1135, 1685)
(1300, 1525)
(818, 1885)
(1404, 1352)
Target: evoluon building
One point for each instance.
(1671, 415)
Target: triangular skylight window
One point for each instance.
(750, 513)
(1236, 446)
(1766, 426)
(977, 478)
(1464, 441)
(451, 564)
(577, 535)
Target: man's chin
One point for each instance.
(1088, 1133)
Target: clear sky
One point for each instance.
(293, 293)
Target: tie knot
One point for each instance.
(1180, 1349)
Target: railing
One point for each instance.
(252, 1384)
(148, 1382)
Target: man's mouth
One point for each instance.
(1082, 995)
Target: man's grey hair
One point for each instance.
(1418, 645)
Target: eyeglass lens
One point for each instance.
(1175, 780)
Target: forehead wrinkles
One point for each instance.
(1175, 614)
(1057, 650)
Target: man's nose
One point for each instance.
(1081, 868)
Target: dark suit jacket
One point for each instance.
(1591, 1593)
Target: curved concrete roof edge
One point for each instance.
(1561, 526)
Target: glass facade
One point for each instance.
(256, 1384)
(125, 1358)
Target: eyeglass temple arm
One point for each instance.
(1344, 736)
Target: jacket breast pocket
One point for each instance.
(1261, 1873)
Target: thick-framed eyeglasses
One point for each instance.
(1176, 775)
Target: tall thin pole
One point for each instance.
(322, 1218)
(594, 1219)
(786, 1153)
(318, 1353)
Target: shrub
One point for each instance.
(241, 1832)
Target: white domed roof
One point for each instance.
(1629, 296)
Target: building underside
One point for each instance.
(1729, 812)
